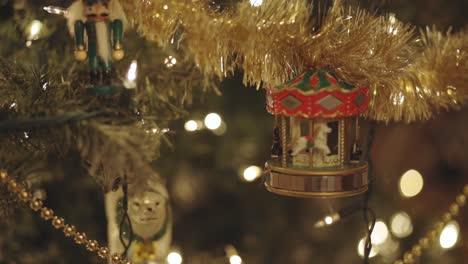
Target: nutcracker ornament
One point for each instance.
(318, 137)
(97, 27)
(150, 232)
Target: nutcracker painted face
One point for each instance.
(148, 208)
(96, 10)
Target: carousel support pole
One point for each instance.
(356, 127)
(283, 141)
(341, 137)
(311, 133)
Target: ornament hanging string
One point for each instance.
(125, 220)
(369, 214)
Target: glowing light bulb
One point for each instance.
(55, 10)
(411, 183)
(252, 173)
(130, 81)
(400, 225)
(174, 258)
(361, 245)
(213, 121)
(191, 125)
(235, 259)
(132, 71)
(34, 29)
(170, 61)
(380, 233)
(328, 220)
(449, 235)
(256, 2)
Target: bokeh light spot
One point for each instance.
(191, 125)
(411, 183)
(213, 121)
(400, 225)
(361, 245)
(449, 235)
(174, 258)
(380, 233)
(252, 173)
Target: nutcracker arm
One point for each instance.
(79, 34)
(117, 30)
(80, 51)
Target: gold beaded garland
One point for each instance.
(12, 186)
(69, 231)
(454, 208)
(447, 217)
(408, 258)
(92, 245)
(3, 175)
(24, 196)
(116, 258)
(424, 242)
(103, 252)
(416, 250)
(80, 238)
(58, 222)
(35, 205)
(461, 200)
(439, 226)
(432, 235)
(47, 213)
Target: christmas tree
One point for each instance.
(172, 119)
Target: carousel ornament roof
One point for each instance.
(317, 93)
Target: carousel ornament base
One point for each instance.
(330, 183)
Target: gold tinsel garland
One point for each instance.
(277, 40)
(442, 68)
(57, 222)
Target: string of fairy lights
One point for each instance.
(385, 236)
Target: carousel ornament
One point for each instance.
(319, 137)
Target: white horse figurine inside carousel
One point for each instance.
(317, 143)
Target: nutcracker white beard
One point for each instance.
(103, 42)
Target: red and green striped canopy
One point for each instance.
(317, 94)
